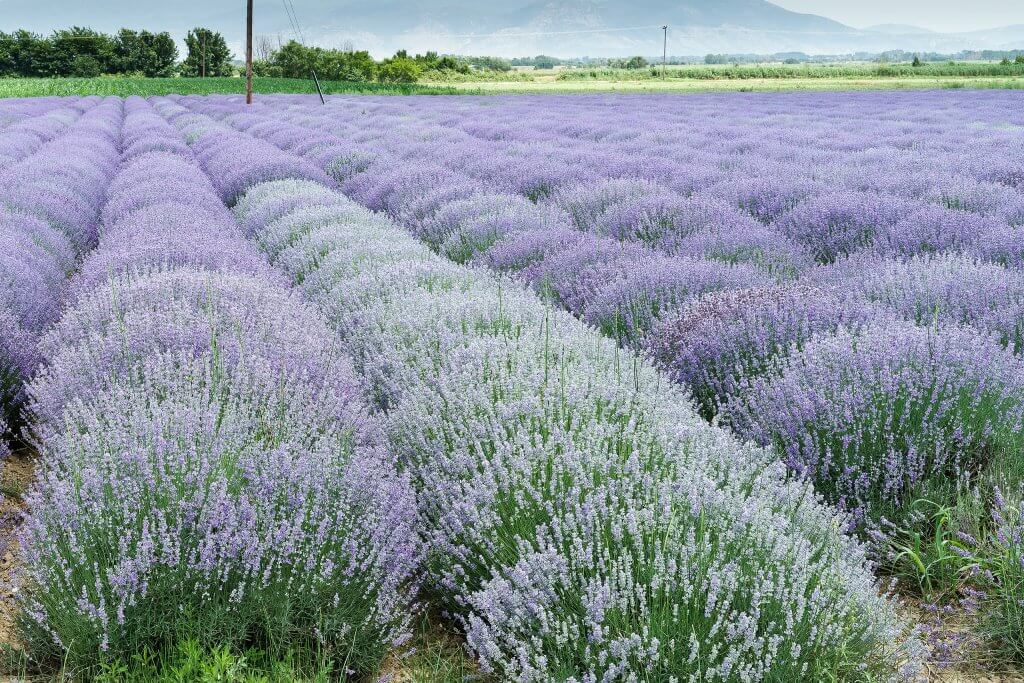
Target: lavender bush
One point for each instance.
(946, 287)
(547, 467)
(724, 339)
(566, 489)
(208, 468)
(874, 416)
(49, 205)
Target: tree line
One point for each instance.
(294, 60)
(85, 53)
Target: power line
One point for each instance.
(293, 19)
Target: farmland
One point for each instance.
(696, 80)
(599, 388)
(124, 86)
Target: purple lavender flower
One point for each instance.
(873, 416)
(726, 339)
(835, 225)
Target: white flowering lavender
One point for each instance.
(583, 523)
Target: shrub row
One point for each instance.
(622, 286)
(51, 192)
(581, 520)
(208, 470)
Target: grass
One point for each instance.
(436, 655)
(543, 82)
(125, 86)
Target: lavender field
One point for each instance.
(613, 388)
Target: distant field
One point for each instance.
(553, 85)
(751, 77)
(726, 78)
(843, 70)
(41, 87)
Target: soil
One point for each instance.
(17, 474)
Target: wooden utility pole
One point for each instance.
(664, 54)
(248, 52)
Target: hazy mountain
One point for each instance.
(511, 27)
(898, 29)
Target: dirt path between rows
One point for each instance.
(16, 475)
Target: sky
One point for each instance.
(937, 15)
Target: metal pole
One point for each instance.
(318, 90)
(248, 52)
(664, 54)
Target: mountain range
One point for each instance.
(566, 28)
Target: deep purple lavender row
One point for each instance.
(579, 517)
(15, 111)
(208, 470)
(24, 137)
(688, 164)
(888, 254)
(51, 189)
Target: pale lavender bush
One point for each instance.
(569, 496)
(208, 469)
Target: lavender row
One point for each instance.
(619, 287)
(24, 137)
(466, 227)
(619, 182)
(208, 469)
(729, 318)
(581, 519)
(49, 207)
(534, 501)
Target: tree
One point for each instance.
(263, 48)
(636, 63)
(295, 60)
(353, 66)
(8, 55)
(1019, 60)
(917, 61)
(81, 52)
(208, 54)
(544, 62)
(145, 53)
(399, 70)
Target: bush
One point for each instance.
(838, 224)
(875, 416)
(627, 307)
(945, 287)
(208, 469)
(724, 339)
(399, 70)
(582, 519)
